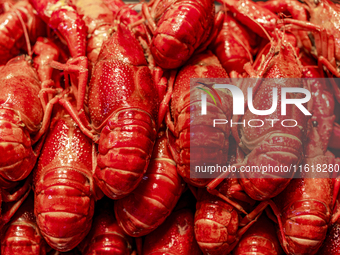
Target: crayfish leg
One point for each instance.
(164, 105)
(323, 61)
(255, 214)
(21, 195)
(79, 66)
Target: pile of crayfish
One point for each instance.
(96, 130)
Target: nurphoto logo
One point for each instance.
(238, 99)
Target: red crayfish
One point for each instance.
(125, 116)
(179, 27)
(145, 208)
(205, 65)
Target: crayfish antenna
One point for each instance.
(29, 49)
(262, 28)
(147, 16)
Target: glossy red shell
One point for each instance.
(121, 79)
(21, 115)
(183, 26)
(145, 208)
(306, 208)
(123, 104)
(187, 132)
(216, 224)
(174, 236)
(22, 235)
(64, 191)
(106, 237)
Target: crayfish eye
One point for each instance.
(316, 2)
(315, 123)
(112, 30)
